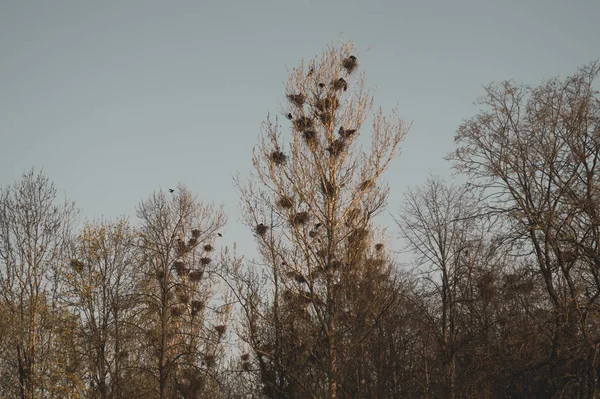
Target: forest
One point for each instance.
(501, 297)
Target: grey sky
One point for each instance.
(116, 98)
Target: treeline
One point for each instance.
(500, 300)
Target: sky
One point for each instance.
(116, 99)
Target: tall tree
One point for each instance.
(176, 241)
(311, 202)
(535, 152)
(34, 227)
(100, 285)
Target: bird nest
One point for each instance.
(184, 298)
(336, 148)
(208, 248)
(327, 188)
(299, 218)
(327, 104)
(310, 137)
(221, 330)
(350, 64)
(366, 184)
(76, 265)
(197, 305)
(205, 261)
(176, 311)
(378, 247)
(358, 236)
(278, 157)
(196, 275)
(340, 84)
(326, 118)
(261, 229)
(346, 133)
(297, 99)
(195, 233)
(285, 202)
(303, 123)
(179, 268)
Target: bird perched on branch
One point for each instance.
(171, 190)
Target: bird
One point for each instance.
(171, 190)
(321, 85)
(317, 225)
(289, 116)
(220, 235)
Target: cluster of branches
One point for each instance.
(497, 295)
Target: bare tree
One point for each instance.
(535, 152)
(311, 205)
(100, 285)
(34, 227)
(176, 242)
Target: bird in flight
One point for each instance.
(220, 235)
(171, 190)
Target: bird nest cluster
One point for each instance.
(299, 218)
(350, 64)
(261, 229)
(297, 99)
(285, 202)
(208, 248)
(278, 157)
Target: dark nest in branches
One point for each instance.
(278, 157)
(299, 218)
(297, 99)
(285, 202)
(221, 329)
(358, 236)
(327, 104)
(196, 275)
(179, 268)
(346, 133)
(205, 261)
(365, 184)
(326, 118)
(340, 84)
(303, 123)
(350, 64)
(261, 229)
(176, 311)
(76, 265)
(208, 248)
(192, 242)
(378, 247)
(195, 233)
(210, 360)
(180, 247)
(312, 234)
(310, 137)
(184, 298)
(197, 306)
(327, 188)
(298, 277)
(159, 274)
(336, 148)
(245, 357)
